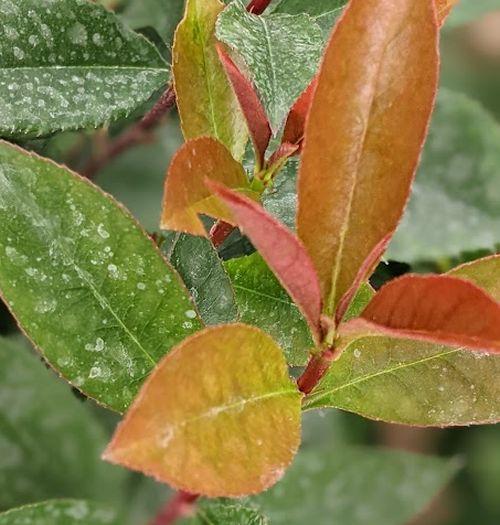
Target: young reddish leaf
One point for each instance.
(257, 7)
(416, 382)
(296, 122)
(282, 251)
(364, 133)
(219, 417)
(443, 8)
(252, 108)
(436, 308)
(186, 194)
(205, 99)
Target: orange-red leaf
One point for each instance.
(296, 122)
(437, 308)
(186, 195)
(364, 134)
(219, 416)
(252, 108)
(282, 251)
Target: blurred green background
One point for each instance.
(464, 153)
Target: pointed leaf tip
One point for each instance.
(219, 417)
(437, 308)
(282, 251)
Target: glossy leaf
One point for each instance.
(191, 423)
(84, 281)
(60, 512)
(251, 106)
(413, 382)
(186, 194)
(68, 65)
(280, 51)
(364, 135)
(296, 121)
(206, 102)
(324, 487)
(458, 178)
(204, 275)
(436, 308)
(282, 251)
(226, 512)
(263, 302)
(38, 412)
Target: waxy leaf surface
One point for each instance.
(282, 251)
(60, 512)
(443, 8)
(454, 206)
(437, 308)
(417, 383)
(364, 134)
(84, 281)
(323, 487)
(38, 412)
(263, 302)
(70, 64)
(225, 512)
(219, 417)
(206, 101)
(204, 275)
(186, 194)
(281, 52)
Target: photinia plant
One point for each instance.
(212, 362)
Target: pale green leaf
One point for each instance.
(281, 52)
(455, 203)
(84, 281)
(60, 512)
(50, 442)
(352, 486)
(70, 64)
(204, 275)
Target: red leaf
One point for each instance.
(257, 7)
(435, 308)
(257, 121)
(282, 251)
(296, 122)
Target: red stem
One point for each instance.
(258, 6)
(179, 506)
(316, 369)
(135, 135)
(220, 232)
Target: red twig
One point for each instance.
(258, 6)
(135, 135)
(316, 369)
(179, 506)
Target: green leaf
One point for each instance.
(352, 486)
(281, 51)
(70, 64)
(454, 207)
(207, 104)
(50, 442)
(416, 383)
(263, 302)
(60, 512)
(467, 11)
(324, 12)
(84, 281)
(204, 275)
(163, 15)
(226, 512)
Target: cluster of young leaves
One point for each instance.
(214, 411)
